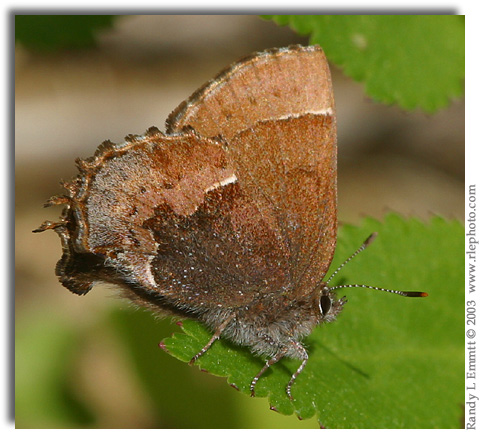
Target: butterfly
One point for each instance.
(229, 217)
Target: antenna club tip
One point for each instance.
(415, 294)
(370, 238)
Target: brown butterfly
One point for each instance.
(230, 217)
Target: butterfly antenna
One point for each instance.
(408, 294)
(368, 241)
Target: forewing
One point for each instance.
(276, 112)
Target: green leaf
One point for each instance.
(177, 398)
(414, 61)
(55, 32)
(388, 361)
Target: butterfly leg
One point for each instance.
(304, 356)
(270, 362)
(215, 336)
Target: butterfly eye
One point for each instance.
(325, 304)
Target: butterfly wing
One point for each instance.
(165, 217)
(189, 220)
(275, 111)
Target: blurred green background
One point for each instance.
(93, 361)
